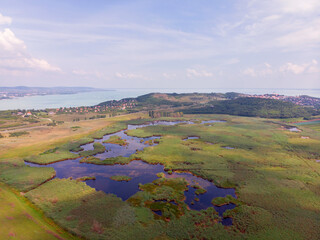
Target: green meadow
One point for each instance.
(20, 219)
(116, 140)
(274, 172)
(314, 125)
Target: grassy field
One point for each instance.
(314, 125)
(81, 209)
(97, 148)
(165, 191)
(20, 220)
(120, 178)
(45, 143)
(116, 140)
(24, 178)
(42, 137)
(274, 172)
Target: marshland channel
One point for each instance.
(139, 171)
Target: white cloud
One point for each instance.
(289, 67)
(267, 65)
(313, 67)
(169, 75)
(307, 35)
(5, 20)
(267, 70)
(260, 71)
(250, 72)
(297, 6)
(9, 42)
(14, 56)
(198, 73)
(271, 18)
(232, 61)
(129, 75)
(293, 68)
(297, 69)
(87, 73)
(80, 72)
(263, 31)
(287, 25)
(23, 64)
(41, 65)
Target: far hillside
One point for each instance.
(158, 100)
(255, 107)
(163, 104)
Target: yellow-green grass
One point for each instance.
(97, 148)
(120, 178)
(220, 201)
(116, 140)
(19, 219)
(24, 178)
(42, 137)
(62, 152)
(158, 196)
(51, 158)
(272, 169)
(85, 178)
(199, 190)
(315, 125)
(176, 154)
(115, 127)
(82, 210)
(107, 161)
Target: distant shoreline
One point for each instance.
(7, 93)
(90, 98)
(46, 94)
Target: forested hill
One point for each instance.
(254, 107)
(214, 103)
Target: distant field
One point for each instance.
(309, 123)
(42, 137)
(314, 125)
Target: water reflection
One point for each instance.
(139, 171)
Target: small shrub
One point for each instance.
(124, 216)
(18, 134)
(120, 178)
(97, 227)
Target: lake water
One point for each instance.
(139, 171)
(93, 98)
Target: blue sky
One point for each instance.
(160, 43)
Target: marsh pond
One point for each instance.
(197, 195)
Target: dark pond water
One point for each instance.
(190, 138)
(204, 199)
(230, 148)
(212, 121)
(139, 171)
(294, 129)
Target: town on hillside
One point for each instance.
(131, 103)
(302, 100)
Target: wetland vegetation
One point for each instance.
(120, 178)
(194, 176)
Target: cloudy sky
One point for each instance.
(160, 43)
